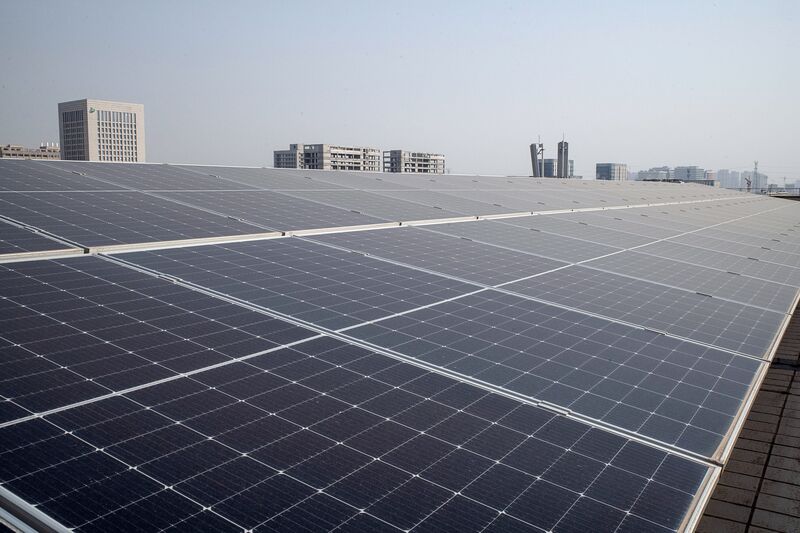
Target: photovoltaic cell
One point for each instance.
(14, 240)
(716, 282)
(525, 240)
(76, 329)
(42, 176)
(272, 178)
(314, 283)
(446, 201)
(447, 254)
(149, 176)
(387, 209)
(756, 268)
(325, 435)
(106, 218)
(273, 210)
(691, 315)
(669, 390)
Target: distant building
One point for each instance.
(564, 170)
(689, 173)
(611, 171)
(655, 174)
(729, 179)
(537, 153)
(550, 168)
(758, 182)
(414, 162)
(45, 151)
(100, 130)
(328, 157)
(710, 175)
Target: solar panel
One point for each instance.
(76, 329)
(728, 325)
(448, 255)
(324, 435)
(15, 240)
(459, 376)
(310, 282)
(105, 218)
(41, 176)
(568, 226)
(739, 264)
(447, 202)
(265, 178)
(539, 243)
(715, 282)
(149, 176)
(673, 391)
(273, 210)
(388, 209)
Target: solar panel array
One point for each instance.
(250, 349)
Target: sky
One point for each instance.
(713, 84)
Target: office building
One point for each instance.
(45, 151)
(611, 171)
(100, 130)
(563, 160)
(413, 162)
(328, 157)
(691, 173)
(537, 153)
(710, 175)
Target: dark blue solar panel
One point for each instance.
(15, 240)
(325, 435)
(76, 329)
(670, 390)
(453, 256)
(310, 282)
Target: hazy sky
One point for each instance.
(641, 82)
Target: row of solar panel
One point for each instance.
(204, 419)
(505, 309)
(95, 211)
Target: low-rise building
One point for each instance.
(691, 173)
(413, 162)
(611, 171)
(45, 151)
(328, 157)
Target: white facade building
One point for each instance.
(101, 130)
(328, 157)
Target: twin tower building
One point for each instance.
(562, 167)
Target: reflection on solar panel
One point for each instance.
(16, 240)
(469, 260)
(105, 218)
(273, 210)
(587, 370)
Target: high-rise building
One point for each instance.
(537, 153)
(328, 157)
(550, 168)
(45, 151)
(563, 160)
(758, 182)
(100, 130)
(691, 173)
(611, 171)
(730, 179)
(414, 162)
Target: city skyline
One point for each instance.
(231, 90)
